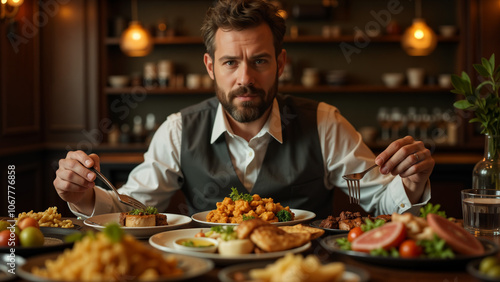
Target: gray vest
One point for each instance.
(292, 173)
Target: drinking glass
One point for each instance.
(481, 211)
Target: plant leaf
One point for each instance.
(463, 105)
(482, 70)
(486, 65)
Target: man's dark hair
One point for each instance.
(239, 15)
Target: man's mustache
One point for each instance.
(247, 90)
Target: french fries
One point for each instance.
(297, 268)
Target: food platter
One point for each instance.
(473, 269)
(192, 267)
(300, 217)
(227, 274)
(316, 224)
(174, 221)
(54, 241)
(330, 244)
(7, 262)
(165, 242)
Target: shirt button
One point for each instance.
(250, 153)
(402, 205)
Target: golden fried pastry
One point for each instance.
(270, 238)
(301, 228)
(247, 226)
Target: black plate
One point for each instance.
(316, 224)
(227, 274)
(473, 269)
(55, 235)
(460, 261)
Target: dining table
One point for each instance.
(376, 272)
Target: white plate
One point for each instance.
(191, 266)
(351, 273)
(165, 242)
(174, 221)
(300, 216)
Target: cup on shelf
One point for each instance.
(444, 80)
(193, 81)
(310, 77)
(415, 77)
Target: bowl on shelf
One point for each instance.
(118, 81)
(393, 79)
(447, 31)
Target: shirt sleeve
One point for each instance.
(344, 152)
(154, 181)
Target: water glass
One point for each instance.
(481, 211)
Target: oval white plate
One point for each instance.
(174, 221)
(165, 242)
(300, 216)
(351, 273)
(192, 267)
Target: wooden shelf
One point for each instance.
(287, 89)
(301, 39)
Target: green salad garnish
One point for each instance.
(146, 211)
(235, 196)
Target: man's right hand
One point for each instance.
(75, 182)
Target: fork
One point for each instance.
(353, 184)
(127, 200)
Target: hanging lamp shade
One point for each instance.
(419, 39)
(136, 41)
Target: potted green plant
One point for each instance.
(484, 102)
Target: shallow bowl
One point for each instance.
(118, 80)
(199, 244)
(393, 79)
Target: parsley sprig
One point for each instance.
(235, 196)
(430, 208)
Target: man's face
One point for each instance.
(245, 71)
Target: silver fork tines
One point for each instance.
(122, 198)
(353, 185)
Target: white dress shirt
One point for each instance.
(154, 181)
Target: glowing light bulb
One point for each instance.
(419, 34)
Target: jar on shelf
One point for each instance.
(165, 72)
(150, 74)
(310, 77)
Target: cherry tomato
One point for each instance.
(410, 249)
(3, 225)
(8, 239)
(354, 233)
(31, 237)
(27, 222)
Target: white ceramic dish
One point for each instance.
(174, 221)
(165, 242)
(300, 216)
(351, 273)
(192, 267)
(393, 80)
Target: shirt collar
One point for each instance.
(272, 125)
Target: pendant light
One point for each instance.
(136, 41)
(419, 39)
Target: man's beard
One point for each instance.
(247, 111)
